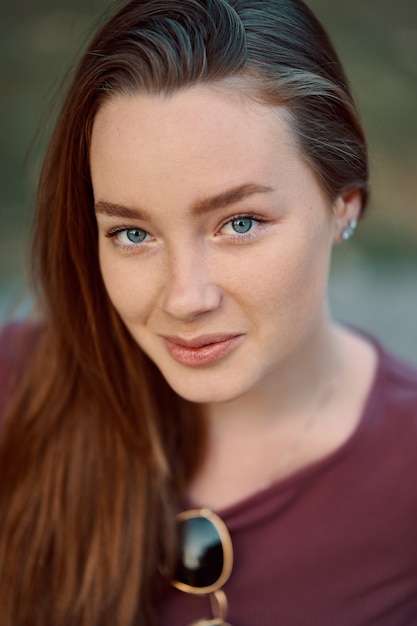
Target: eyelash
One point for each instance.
(240, 237)
(112, 234)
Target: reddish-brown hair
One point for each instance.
(97, 449)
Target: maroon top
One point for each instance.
(17, 342)
(335, 544)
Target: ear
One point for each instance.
(346, 208)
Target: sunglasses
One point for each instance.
(205, 560)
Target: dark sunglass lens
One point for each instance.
(201, 561)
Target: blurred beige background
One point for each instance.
(374, 280)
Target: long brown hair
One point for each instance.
(97, 450)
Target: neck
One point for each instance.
(307, 409)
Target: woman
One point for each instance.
(206, 159)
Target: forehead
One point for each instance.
(194, 143)
(188, 117)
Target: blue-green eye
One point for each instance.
(136, 235)
(242, 225)
(126, 238)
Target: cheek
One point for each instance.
(129, 290)
(293, 284)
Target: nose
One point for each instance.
(189, 289)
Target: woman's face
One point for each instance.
(214, 237)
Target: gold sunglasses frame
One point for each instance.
(227, 547)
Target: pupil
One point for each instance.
(242, 224)
(136, 235)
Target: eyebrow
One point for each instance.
(206, 205)
(111, 209)
(231, 196)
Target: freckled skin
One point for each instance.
(194, 274)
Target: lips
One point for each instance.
(202, 350)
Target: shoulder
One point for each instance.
(391, 410)
(392, 378)
(388, 408)
(396, 380)
(18, 341)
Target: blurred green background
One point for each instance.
(374, 279)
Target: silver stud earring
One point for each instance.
(349, 229)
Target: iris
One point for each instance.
(136, 235)
(242, 224)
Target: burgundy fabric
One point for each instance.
(336, 543)
(17, 342)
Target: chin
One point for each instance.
(208, 389)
